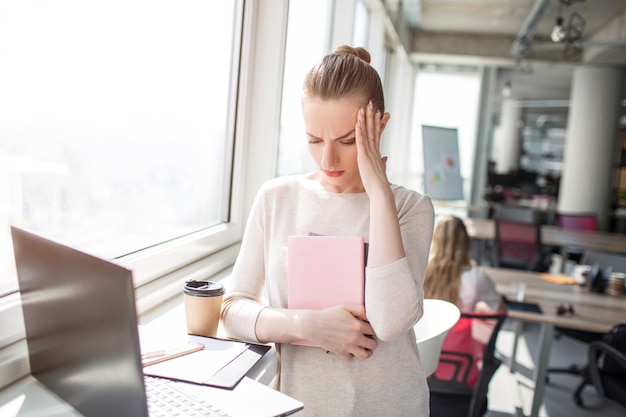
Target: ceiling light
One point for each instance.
(557, 34)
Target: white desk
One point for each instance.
(27, 397)
(593, 312)
(172, 325)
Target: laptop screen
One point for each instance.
(81, 326)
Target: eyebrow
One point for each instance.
(338, 138)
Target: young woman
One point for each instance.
(367, 362)
(452, 274)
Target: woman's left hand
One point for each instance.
(372, 166)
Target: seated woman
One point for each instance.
(453, 276)
(465, 365)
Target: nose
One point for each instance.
(329, 156)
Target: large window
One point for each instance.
(307, 40)
(361, 25)
(447, 98)
(116, 121)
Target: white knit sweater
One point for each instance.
(391, 382)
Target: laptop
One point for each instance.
(83, 340)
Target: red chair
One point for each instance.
(578, 221)
(467, 363)
(518, 245)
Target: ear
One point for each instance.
(383, 121)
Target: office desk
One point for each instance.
(593, 312)
(485, 229)
(173, 326)
(29, 397)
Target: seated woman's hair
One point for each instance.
(450, 255)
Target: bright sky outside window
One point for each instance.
(306, 44)
(114, 130)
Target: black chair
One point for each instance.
(467, 363)
(605, 371)
(605, 261)
(607, 365)
(575, 369)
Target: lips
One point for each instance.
(333, 174)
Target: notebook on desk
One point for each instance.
(324, 271)
(83, 342)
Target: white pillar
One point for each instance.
(506, 142)
(590, 142)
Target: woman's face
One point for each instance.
(329, 127)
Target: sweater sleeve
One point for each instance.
(394, 293)
(242, 301)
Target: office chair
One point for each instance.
(518, 245)
(574, 369)
(515, 213)
(467, 363)
(607, 365)
(577, 221)
(604, 261)
(431, 330)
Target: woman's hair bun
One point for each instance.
(358, 52)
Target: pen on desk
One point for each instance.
(155, 354)
(150, 358)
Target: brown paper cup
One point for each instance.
(203, 302)
(616, 283)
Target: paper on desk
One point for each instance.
(152, 339)
(200, 366)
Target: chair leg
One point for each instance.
(573, 370)
(578, 399)
(517, 329)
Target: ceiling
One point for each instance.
(514, 36)
(513, 30)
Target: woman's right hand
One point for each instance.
(343, 330)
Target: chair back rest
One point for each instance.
(430, 331)
(579, 221)
(469, 348)
(605, 260)
(517, 241)
(607, 369)
(616, 338)
(515, 213)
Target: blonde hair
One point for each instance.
(450, 255)
(346, 73)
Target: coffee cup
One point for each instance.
(203, 303)
(616, 283)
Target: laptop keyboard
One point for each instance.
(164, 400)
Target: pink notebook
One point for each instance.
(324, 271)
